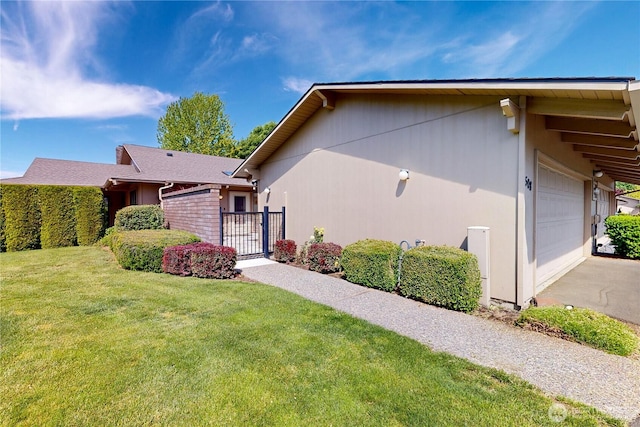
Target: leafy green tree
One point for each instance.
(197, 125)
(628, 189)
(246, 146)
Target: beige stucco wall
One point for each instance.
(340, 172)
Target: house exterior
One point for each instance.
(628, 205)
(144, 175)
(534, 160)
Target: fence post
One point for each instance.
(221, 227)
(284, 235)
(265, 232)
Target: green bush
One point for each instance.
(140, 217)
(372, 263)
(624, 231)
(58, 227)
(585, 326)
(142, 250)
(440, 275)
(22, 217)
(91, 214)
(3, 240)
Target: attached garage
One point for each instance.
(559, 223)
(518, 156)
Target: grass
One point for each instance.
(86, 343)
(585, 326)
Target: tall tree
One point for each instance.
(246, 146)
(197, 125)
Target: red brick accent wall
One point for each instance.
(196, 210)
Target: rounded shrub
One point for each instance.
(624, 231)
(140, 217)
(443, 276)
(324, 257)
(372, 263)
(285, 251)
(142, 250)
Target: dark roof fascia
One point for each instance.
(490, 81)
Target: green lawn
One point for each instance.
(87, 343)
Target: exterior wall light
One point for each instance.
(267, 190)
(403, 175)
(598, 173)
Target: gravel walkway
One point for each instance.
(607, 382)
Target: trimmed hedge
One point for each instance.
(624, 231)
(285, 251)
(324, 257)
(143, 250)
(213, 262)
(440, 275)
(372, 263)
(3, 240)
(140, 217)
(200, 260)
(58, 217)
(22, 217)
(91, 214)
(34, 216)
(585, 326)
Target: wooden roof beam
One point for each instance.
(600, 141)
(607, 152)
(610, 161)
(588, 109)
(590, 126)
(328, 99)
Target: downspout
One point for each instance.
(166, 187)
(522, 258)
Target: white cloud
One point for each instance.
(294, 84)
(10, 174)
(47, 55)
(346, 41)
(532, 31)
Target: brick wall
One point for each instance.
(196, 210)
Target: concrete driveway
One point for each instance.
(607, 285)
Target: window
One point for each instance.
(133, 197)
(239, 203)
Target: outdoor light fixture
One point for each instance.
(403, 175)
(598, 173)
(267, 190)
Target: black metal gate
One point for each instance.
(252, 233)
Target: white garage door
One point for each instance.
(559, 222)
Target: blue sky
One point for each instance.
(80, 78)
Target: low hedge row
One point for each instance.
(372, 263)
(438, 275)
(143, 250)
(585, 326)
(204, 260)
(624, 231)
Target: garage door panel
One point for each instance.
(559, 222)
